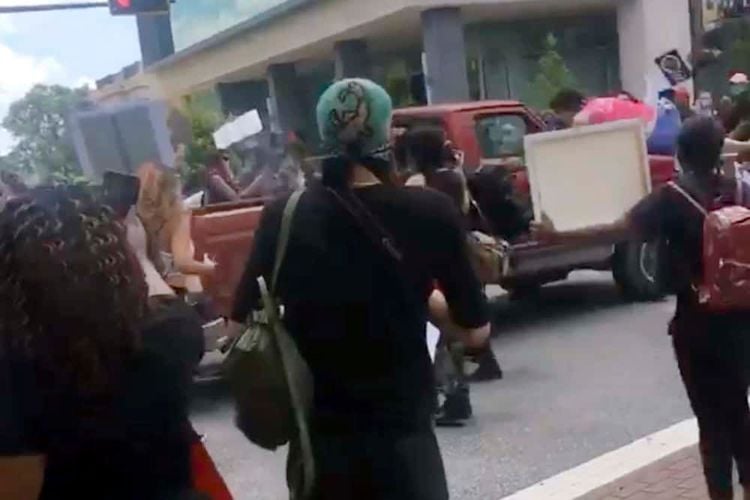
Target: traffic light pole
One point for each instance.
(41, 8)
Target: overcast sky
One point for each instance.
(67, 47)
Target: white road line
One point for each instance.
(611, 466)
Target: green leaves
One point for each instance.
(38, 122)
(203, 122)
(553, 76)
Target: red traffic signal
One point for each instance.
(131, 7)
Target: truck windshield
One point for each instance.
(501, 136)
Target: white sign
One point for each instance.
(587, 176)
(240, 128)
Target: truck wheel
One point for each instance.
(636, 269)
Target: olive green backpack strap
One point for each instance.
(297, 374)
(283, 242)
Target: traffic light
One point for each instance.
(131, 7)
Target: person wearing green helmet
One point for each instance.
(364, 259)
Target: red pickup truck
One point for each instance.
(489, 133)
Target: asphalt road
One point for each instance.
(585, 373)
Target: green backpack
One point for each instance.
(270, 381)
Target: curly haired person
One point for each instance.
(85, 411)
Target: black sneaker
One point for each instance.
(455, 411)
(488, 369)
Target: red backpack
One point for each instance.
(726, 257)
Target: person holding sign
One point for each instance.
(708, 346)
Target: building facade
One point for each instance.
(278, 55)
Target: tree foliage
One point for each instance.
(203, 123)
(38, 122)
(739, 52)
(552, 76)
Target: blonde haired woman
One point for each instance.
(167, 223)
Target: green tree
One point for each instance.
(203, 122)
(739, 53)
(38, 123)
(552, 76)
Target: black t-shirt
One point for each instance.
(667, 215)
(134, 445)
(358, 315)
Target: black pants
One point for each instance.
(378, 466)
(175, 331)
(450, 372)
(713, 366)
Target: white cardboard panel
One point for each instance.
(238, 129)
(433, 337)
(589, 175)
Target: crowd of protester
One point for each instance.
(98, 345)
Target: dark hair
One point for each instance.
(425, 146)
(73, 295)
(567, 100)
(215, 158)
(699, 144)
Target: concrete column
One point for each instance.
(445, 55)
(352, 59)
(644, 36)
(286, 97)
(240, 97)
(155, 37)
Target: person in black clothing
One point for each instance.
(85, 411)
(485, 198)
(710, 349)
(426, 152)
(491, 188)
(357, 306)
(565, 106)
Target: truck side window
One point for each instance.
(501, 136)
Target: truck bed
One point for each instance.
(225, 233)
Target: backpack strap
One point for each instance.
(302, 443)
(679, 190)
(368, 223)
(283, 241)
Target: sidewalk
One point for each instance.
(678, 476)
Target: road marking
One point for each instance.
(611, 466)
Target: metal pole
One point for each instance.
(41, 8)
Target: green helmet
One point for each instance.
(355, 114)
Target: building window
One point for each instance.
(474, 74)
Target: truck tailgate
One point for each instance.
(226, 236)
